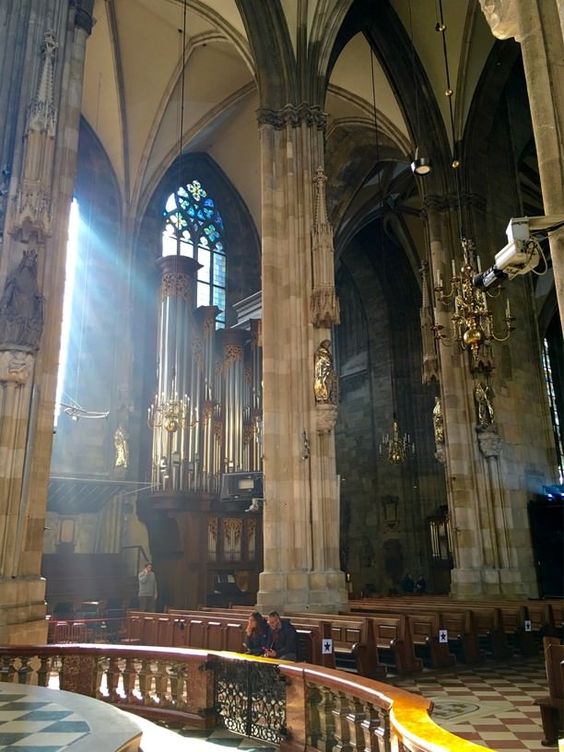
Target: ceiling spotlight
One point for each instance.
(420, 165)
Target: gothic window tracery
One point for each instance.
(193, 227)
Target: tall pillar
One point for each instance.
(41, 111)
(301, 508)
(538, 26)
(485, 533)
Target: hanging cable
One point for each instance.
(374, 110)
(182, 57)
(449, 92)
(420, 165)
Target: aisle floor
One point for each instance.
(492, 704)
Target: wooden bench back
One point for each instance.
(553, 659)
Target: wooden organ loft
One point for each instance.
(203, 511)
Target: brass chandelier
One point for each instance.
(171, 414)
(394, 447)
(472, 322)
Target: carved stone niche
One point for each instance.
(15, 366)
(489, 441)
(326, 417)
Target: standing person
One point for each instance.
(407, 585)
(282, 638)
(147, 588)
(256, 633)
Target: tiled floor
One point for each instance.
(40, 719)
(225, 738)
(492, 704)
(29, 726)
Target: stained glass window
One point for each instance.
(556, 426)
(194, 227)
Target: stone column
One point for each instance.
(301, 509)
(483, 537)
(538, 26)
(46, 111)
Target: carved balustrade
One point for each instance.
(294, 705)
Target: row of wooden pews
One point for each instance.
(215, 631)
(372, 644)
(400, 634)
(474, 628)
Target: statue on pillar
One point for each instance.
(484, 406)
(439, 431)
(324, 381)
(121, 448)
(21, 306)
(438, 422)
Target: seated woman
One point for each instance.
(256, 631)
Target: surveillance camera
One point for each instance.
(521, 254)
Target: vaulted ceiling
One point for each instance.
(133, 82)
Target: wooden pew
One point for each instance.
(307, 622)
(425, 629)
(351, 637)
(487, 620)
(389, 633)
(209, 632)
(545, 618)
(462, 635)
(552, 707)
(392, 635)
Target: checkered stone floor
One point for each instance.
(491, 704)
(27, 726)
(224, 738)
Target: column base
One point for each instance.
(22, 613)
(323, 592)
(467, 584)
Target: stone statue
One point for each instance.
(484, 407)
(324, 382)
(21, 306)
(121, 447)
(438, 422)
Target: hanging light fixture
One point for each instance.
(420, 165)
(394, 446)
(472, 322)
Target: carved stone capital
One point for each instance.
(83, 15)
(435, 201)
(502, 17)
(326, 417)
(15, 366)
(293, 115)
(33, 212)
(450, 201)
(489, 441)
(324, 306)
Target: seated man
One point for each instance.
(281, 640)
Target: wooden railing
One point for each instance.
(295, 705)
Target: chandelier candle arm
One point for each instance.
(472, 323)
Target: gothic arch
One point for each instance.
(241, 237)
